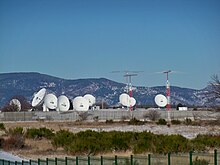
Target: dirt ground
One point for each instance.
(43, 149)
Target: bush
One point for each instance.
(162, 122)
(110, 121)
(152, 115)
(15, 131)
(188, 121)
(175, 122)
(14, 142)
(198, 161)
(135, 121)
(2, 126)
(35, 133)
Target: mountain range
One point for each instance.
(27, 83)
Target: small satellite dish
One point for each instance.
(16, 102)
(124, 99)
(90, 98)
(160, 100)
(50, 102)
(132, 101)
(80, 104)
(63, 103)
(38, 97)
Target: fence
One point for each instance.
(151, 159)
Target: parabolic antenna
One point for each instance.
(160, 100)
(80, 104)
(63, 103)
(50, 101)
(39, 97)
(132, 101)
(90, 98)
(16, 102)
(126, 100)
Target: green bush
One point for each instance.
(175, 122)
(15, 131)
(2, 126)
(162, 122)
(135, 121)
(35, 133)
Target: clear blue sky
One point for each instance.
(90, 38)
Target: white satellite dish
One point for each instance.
(90, 98)
(80, 104)
(132, 101)
(63, 103)
(38, 97)
(50, 102)
(16, 102)
(126, 100)
(160, 100)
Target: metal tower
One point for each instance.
(168, 106)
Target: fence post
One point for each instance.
(131, 159)
(77, 160)
(16, 162)
(22, 162)
(168, 158)
(190, 158)
(101, 160)
(38, 161)
(66, 160)
(215, 157)
(30, 161)
(47, 161)
(9, 162)
(149, 159)
(116, 160)
(55, 161)
(88, 160)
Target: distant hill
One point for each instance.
(26, 84)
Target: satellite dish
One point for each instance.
(39, 97)
(160, 100)
(80, 104)
(90, 98)
(126, 100)
(16, 102)
(50, 102)
(63, 103)
(132, 101)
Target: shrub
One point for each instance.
(188, 121)
(15, 131)
(110, 121)
(2, 126)
(135, 121)
(35, 133)
(14, 142)
(175, 122)
(162, 122)
(198, 161)
(152, 115)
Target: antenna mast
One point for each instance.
(168, 89)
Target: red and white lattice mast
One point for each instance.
(168, 106)
(129, 85)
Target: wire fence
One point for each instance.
(190, 158)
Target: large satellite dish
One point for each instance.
(90, 98)
(38, 97)
(63, 103)
(126, 100)
(160, 100)
(50, 102)
(132, 101)
(16, 102)
(80, 104)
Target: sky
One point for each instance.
(76, 39)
